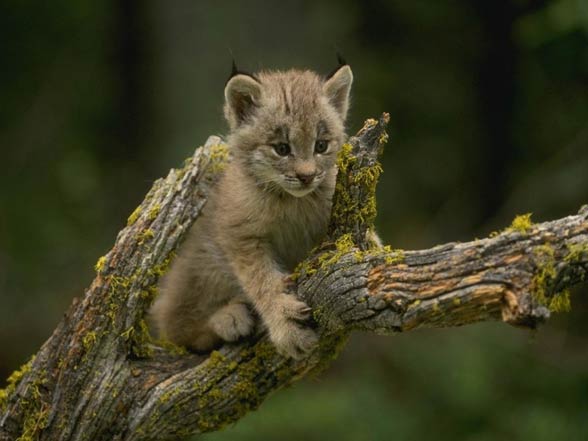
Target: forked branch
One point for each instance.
(101, 377)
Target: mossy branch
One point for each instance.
(101, 377)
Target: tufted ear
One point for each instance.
(337, 88)
(242, 94)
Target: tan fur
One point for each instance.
(261, 219)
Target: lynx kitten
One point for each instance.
(270, 207)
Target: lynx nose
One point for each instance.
(306, 178)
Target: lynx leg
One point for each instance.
(232, 321)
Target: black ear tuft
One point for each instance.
(236, 71)
(341, 62)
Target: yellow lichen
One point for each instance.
(160, 269)
(89, 340)
(154, 211)
(544, 277)
(521, 223)
(134, 216)
(576, 252)
(170, 347)
(347, 209)
(35, 410)
(329, 349)
(100, 264)
(392, 257)
(168, 395)
(343, 245)
(144, 236)
(219, 158)
(12, 382)
(140, 339)
(128, 333)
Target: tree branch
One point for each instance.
(101, 377)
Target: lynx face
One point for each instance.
(287, 127)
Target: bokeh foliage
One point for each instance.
(489, 110)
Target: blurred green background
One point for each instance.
(489, 112)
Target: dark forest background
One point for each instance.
(489, 110)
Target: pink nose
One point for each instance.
(305, 178)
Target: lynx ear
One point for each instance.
(242, 94)
(337, 88)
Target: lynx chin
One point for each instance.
(270, 207)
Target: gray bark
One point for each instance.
(101, 377)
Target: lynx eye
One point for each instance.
(282, 149)
(321, 146)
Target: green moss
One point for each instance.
(329, 349)
(251, 370)
(215, 359)
(100, 264)
(386, 252)
(154, 211)
(141, 342)
(219, 158)
(210, 423)
(542, 282)
(134, 216)
(343, 245)
(305, 267)
(89, 340)
(216, 394)
(145, 236)
(141, 339)
(561, 301)
(383, 138)
(180, 172)
(34, 410)
(170, 347)
(521, 223)
(345, 157)
(347, 209)
(12, 382)
(117, 290)
(318, 315)
(36, 413)
(576, 252)
(128, 333)
(368, 178)
(168, 395)
(160, 269)
(393, 256)
(138, 336)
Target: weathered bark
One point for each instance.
(101, 377)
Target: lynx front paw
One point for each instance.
(287, 330)
(232, 322)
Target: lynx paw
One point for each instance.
(232, 322)
(287, 330)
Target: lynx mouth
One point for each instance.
(300, 191)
